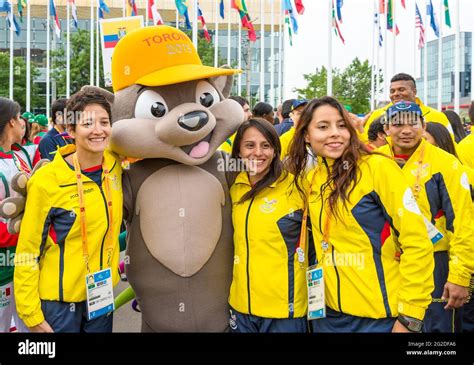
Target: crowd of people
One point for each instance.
(380, 206)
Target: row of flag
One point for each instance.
(386, 7)
(182, 8)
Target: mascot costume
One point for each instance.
(171, 114)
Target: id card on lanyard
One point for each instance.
(100, 293)
(316, 298)
(99, 287)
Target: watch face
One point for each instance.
(415, 326)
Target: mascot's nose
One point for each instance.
(193, 121)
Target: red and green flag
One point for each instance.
(390, 18)
(240, 6)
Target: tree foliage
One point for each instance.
(19, 81)
(350, 86)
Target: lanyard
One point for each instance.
(417, 186)
(82, 210)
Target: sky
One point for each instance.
(310, 45)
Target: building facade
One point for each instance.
(247, 84)
(447, 66)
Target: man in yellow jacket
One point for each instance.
(403, 87)
(441, 187)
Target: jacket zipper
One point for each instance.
(248, 253)
(108, 224)
(321, 189)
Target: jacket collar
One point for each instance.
(243, 178)
(65, 175)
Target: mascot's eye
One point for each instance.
(206, 100)
(158, 109)
(206, 94)
(150, 105)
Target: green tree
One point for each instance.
(80, 64)
(19, 79)
(351, 86)
(206, 50)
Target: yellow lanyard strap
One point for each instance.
(417, 186)
(82, 211)
(304, 228)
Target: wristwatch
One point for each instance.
(412, 324)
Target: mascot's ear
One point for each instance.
(107, 94)
(223, 83)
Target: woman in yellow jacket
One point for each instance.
(356, 198)
(268, 292)
(68, 250)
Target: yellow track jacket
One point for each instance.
(445, 200)
(51, 235)
(267, 279)
(465, 151)
(362, 278)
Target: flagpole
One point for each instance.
(385, 60)
(394, 33)
(123, 9)
(372, 78)
(91, 70)
(377, 62)
(272, 55)
(28, 58)
(12, 24)
(239, 62)
(146, 14)
(456, 61)
(216, 36)
(262, 51)
(195, 24)
(177, 19)
(472, 56)
(415, 43)
(48, 36)
(425, 58)
(97, 54)
(329, 67)
(280, 59)
(440, 51)
(228, 35)
(68, 50)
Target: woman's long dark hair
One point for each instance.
(344, 174)
(456, 124)
(276, 168)
(8, 109)
(442, 137)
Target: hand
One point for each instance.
(42, 327)
(399, 328)
(12, 208)
(456, 295)
(359, 123)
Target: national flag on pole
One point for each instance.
(73, 11)
(299, 7)
(203, 22)
(419, 24)
(433, 21)
(6, 6)
(288, 8)
(287, 21)
(390, 18)
(376, 21)
(403, 4)
(182, 7)
(103, 7)
(57, 25)
(221, 9)
(339, 4)
(21, 4)
(240, 6)
(447, 17)
(154, 14)
(335, 24)
(131, 8)
(382, 6)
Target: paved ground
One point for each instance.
(125, 318)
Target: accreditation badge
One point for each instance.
(316, 299)
(100, 294)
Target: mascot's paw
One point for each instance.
(12, 208)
